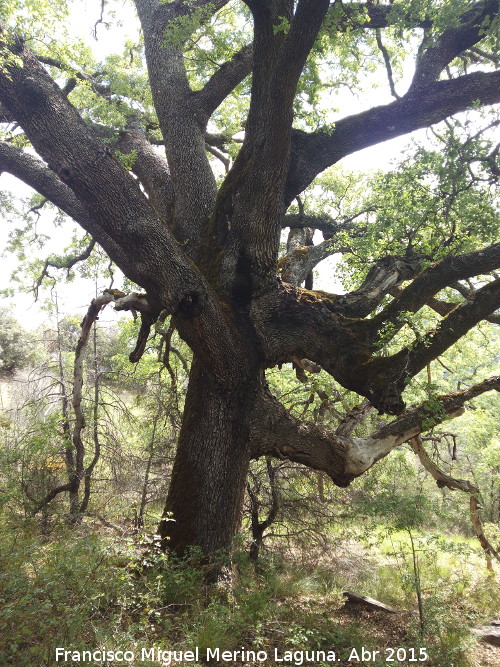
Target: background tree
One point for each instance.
(16, 347)
(206, 252)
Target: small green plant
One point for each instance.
(283, 25)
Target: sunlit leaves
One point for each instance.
(440, 199)
(207, 44)
(38, 20)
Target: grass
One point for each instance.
(81, 589)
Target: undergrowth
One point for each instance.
(83, 589)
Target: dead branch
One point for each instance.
(442, 479)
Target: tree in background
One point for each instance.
(15, 345)
(205, 249)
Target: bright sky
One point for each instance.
(76, 296)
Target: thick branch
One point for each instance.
(182, 125)
(478, 527)
(142, 245)
(453, 327)
(312, 153)
(438, 276)
(387, 376)
(293, 323)
(453, 41)
(151, 169)
(431, 414)
(301, 258)
(224, 80)
(385, 275)
(251, 203)
(115, 207)
(444, 308)
(223, 157)
(139, 303)
(43, 180)
(353, 418)
(306, 23)
(278, 58)
(276, 433)
(34, 173)
(298, 263)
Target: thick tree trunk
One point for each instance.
(209, 476)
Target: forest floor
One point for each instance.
(381, 634)
(388, 631)
(83, 590)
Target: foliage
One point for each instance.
(16, 345)
(55, 593)
(438, 199)
(84, 589)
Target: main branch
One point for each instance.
(312, 153)
(276, 432)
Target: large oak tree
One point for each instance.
(207, 254)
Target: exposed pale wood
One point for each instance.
(488, 633)
(369, 602)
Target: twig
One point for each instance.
(68, 263)
(99, 21)
(387, 61)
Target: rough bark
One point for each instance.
(209, 475)
(151, 169)
(182, 124)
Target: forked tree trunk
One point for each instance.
(209, 475)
